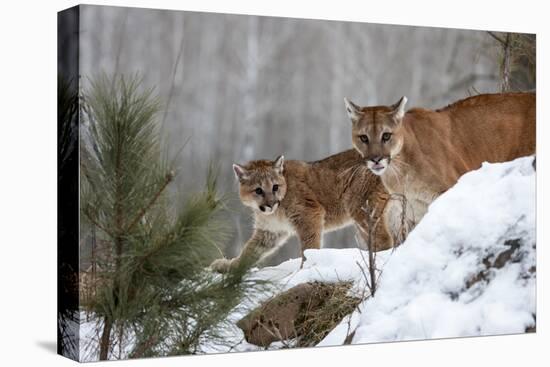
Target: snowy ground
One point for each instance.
(423, 292)
(426, 288)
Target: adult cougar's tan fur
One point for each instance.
(421, 153)
(307, 199)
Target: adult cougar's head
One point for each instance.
(262, 184)
(377, 132)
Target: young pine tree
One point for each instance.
(153, 294)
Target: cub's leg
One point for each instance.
(309, 228)
(260, 245)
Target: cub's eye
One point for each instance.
(259, 191)
(275, 188)
(364, 139)
(386, 137)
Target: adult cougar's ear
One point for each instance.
(278, 164)
(353, 110)
(240, 172)
(399, 108)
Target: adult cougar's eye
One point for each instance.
(364, 139)
(275, 188)
(386, 137)
(259, 191)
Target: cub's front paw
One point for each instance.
(221, 265)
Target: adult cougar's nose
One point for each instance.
(376, 159)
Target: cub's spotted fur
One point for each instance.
(306, 199)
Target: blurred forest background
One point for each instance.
(239, 87)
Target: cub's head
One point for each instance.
(377, 132)
(262, 184)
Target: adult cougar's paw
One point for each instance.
(221, 265)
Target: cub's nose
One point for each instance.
(265, 208)
(376, 159)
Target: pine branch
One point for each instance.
(168, 178)
(96, 223)
(158, 275)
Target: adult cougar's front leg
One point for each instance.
(373, 224)
(375, 230)
(256, 248)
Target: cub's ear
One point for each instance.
(240, 172)
(399, 108)
(353, 110)
(278, 163)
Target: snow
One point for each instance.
(422, 292)
(325, 265)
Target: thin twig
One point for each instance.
(145, 346)
(233, 346)
(506, 60)
(496, 37)
(174, 72)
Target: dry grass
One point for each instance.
(301, 316)
(315, 323)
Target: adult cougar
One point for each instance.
(421, 153)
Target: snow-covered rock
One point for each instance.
(425, 290)
(467, 269)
